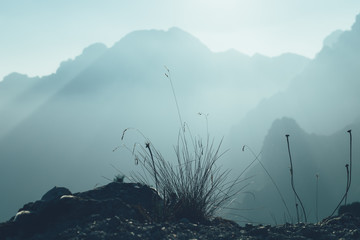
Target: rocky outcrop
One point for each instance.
(58, 208)
(130, 211)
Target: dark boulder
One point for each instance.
(353, 209)
(59, 207)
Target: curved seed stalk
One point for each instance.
(348, 176)
(292, 180)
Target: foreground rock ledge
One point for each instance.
(127, 210)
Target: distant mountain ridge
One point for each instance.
(322, 99)
(60, 129)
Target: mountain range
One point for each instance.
(61, 129)
(317, 109)
(323, 98)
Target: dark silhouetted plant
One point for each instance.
(347, 181)
(317, 198)
(348, 177)
(293, 185)
(193, 185)
(193, 188)
(350, 174)
(119, 178)
(147, 145)
(256, 158)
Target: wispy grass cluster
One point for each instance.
(119, 178)
(193, 185)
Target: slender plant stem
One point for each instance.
(347, 182)
(297, 211)
(168, 75)
(317, 198)
(292, 178)
(271, 178)
(348, 177)
(153, 162)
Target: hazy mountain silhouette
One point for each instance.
(312, 155)
(323, 98)
(332, 39)
(20, 96)
(61, 129)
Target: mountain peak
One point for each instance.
(96, 48)
(356, 25)
(173, 38)
(285, 125)
(176, 30)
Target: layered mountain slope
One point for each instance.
(20, 96)
(61, 129)
(323, 98)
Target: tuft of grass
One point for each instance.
(193, 186)
(119, 178)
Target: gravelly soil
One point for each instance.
(123, 211)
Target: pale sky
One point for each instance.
(36, 35)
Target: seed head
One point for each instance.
(123, 134)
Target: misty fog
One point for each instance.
(61, 129)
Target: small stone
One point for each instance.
(184, 220)
(260, 230)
